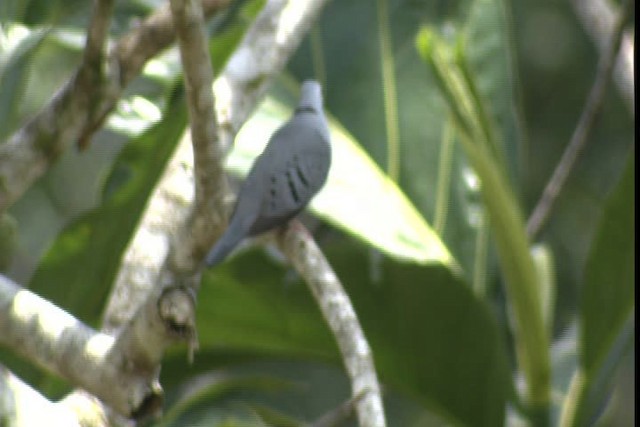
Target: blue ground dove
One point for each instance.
(289, 172)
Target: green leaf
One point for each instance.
(609, 275)
(79, 268)
(507, 224)
(212, 387)
(355, 95)
(16, 53)
(248, 309)
(272, 417)
(358, 197)
(432, 339)
(607, 306)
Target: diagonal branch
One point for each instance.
(599, 19)
(581, 133)
(20, 404)
(59, 343)
(264, 51)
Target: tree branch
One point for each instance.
(269, 42)
(81, 105)
(21, 405)
(208, 216)
(31, 150)
(56, 341)
(266, 47)
(581, 133)
(599, 19)
(307, 258)
(91, 71)
(97, 33)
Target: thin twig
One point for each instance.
(97, 32)
(580, 135)
(598, 17)
(91, 70)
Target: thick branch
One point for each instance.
(298, 245)
(581, 133)
(61, 344)
(209, 214)
(21, 405)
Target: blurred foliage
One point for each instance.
(441, 332)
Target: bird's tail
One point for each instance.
(224, 246)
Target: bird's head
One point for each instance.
(310, 96)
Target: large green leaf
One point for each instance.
(243, 305)
(607, 307)
(507, 224)
(430, 335)
(355, 96)
(432, 339)
(358, 197)
(607, 299)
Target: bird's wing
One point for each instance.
(299, 160)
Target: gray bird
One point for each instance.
(283, 179)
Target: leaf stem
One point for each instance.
(390, 92)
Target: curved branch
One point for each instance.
(300, 248)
